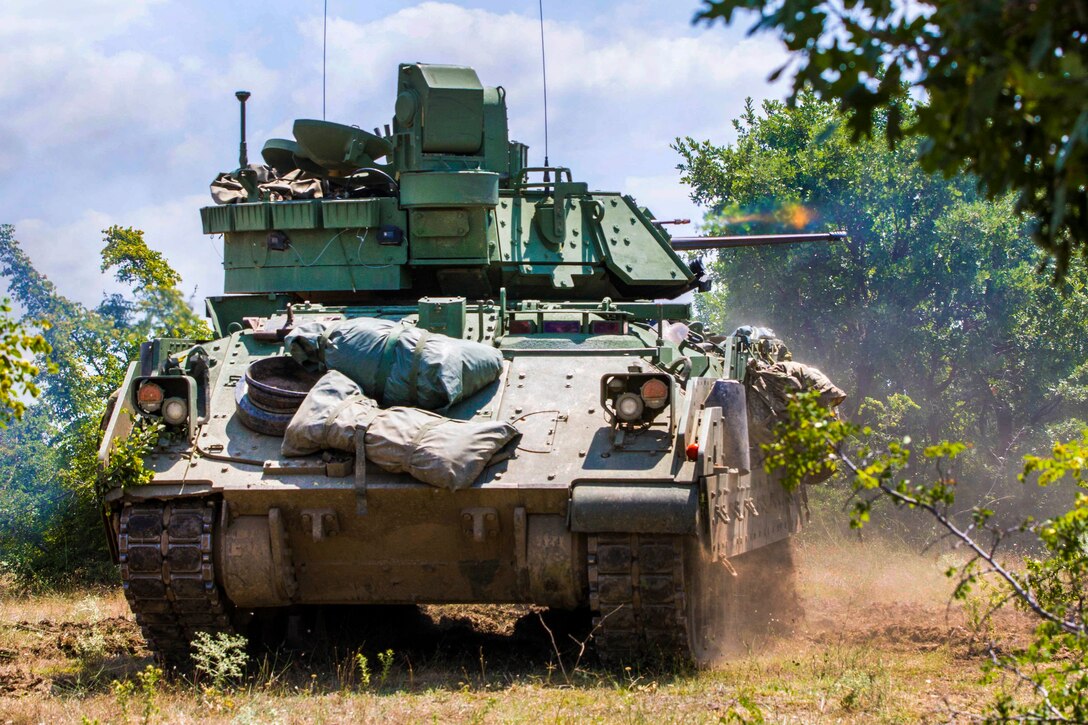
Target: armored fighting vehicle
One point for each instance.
(440, 375)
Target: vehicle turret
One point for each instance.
(440, 203)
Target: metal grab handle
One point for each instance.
(522, 180)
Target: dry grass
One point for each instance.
(878, 643)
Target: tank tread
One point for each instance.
(636, 592)
(168, 576)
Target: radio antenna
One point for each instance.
(544, 72)
(324, 54)
(243, 156)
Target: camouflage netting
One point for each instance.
(397, 364)
(429, 447)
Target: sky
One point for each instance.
(122, 111)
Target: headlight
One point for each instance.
(170, 398)
(635, 398)
(175, 411)
(629, 407)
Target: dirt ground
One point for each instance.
(877, 641)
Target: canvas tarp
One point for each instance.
(297, 184)
(427, 446)
(395, 363)
(330, 414)
(436, 450)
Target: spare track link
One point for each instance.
(168, 576)
(636, 592)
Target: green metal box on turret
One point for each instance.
(630, 490)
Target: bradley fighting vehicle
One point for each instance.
(627, 484)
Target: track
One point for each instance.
(168, 575)
(636, 592)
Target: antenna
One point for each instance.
(324, 54)
(243, 158)
(544, 72)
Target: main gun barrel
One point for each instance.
(752, 240)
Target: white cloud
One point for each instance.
(69, 253)
(69, 98)
(666, 197)
(629, 65)
(174, 227)
(89, 89)
(241, 71)
(70, 22)
(619, 93)
(105, 122)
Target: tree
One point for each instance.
(17, 368)
(1004, 84)
(930, 313)
(50, 525)
(1052, 584)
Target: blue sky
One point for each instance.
(122, 111)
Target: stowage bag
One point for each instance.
(332, 412)
(297, 184)
(431, 448)
(395, 363)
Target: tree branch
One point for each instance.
(1070, 626)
